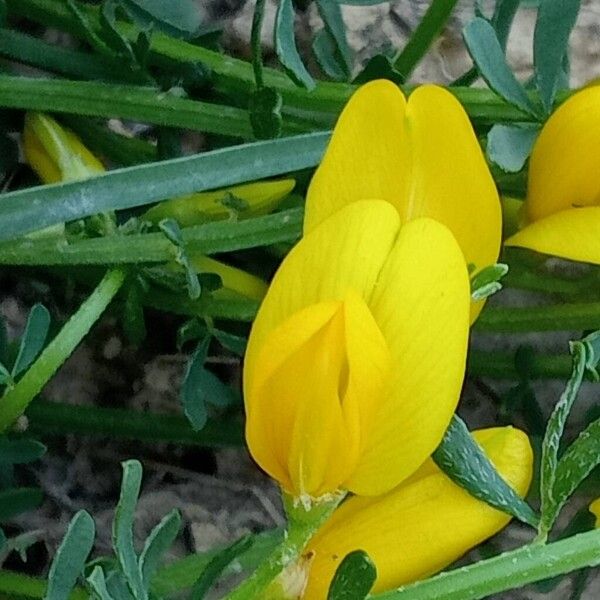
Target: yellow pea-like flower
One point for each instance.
(56, 154)
(357, 355)
(423, 525)
(422, 156)
(562, 208)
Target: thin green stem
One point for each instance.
(501, 365)
(108, 100)
(556, 317)
(303, 522)
(424, 35)
(222, 236)
(16, 400)
(508, 571)
(54, 418)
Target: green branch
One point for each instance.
(16, 400)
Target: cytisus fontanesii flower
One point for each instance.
(422, 156)
(562, 209)
(356, 358)
(421, 526)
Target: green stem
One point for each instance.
(303, 523)
(129, 102)
(16, 400)
(235, 77)
(424, 35)
(54, 418)
(558, 317)
(221, 236)
(501, 365)
(506, 572)
(18, 585)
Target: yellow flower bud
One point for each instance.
(421, 526)
(563, 195)
(55, 153)
(255, 199)
(346, 383)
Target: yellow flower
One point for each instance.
(595, 510)
(421, 156)
(563, 197)
(356, 358)
(421, 526)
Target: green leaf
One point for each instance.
(425, 34)
(122, 531)
(487, 54)
(35, 208)
(34, 338)
(555, 21)
(487, 281)
(159, 541)
(354, 577)
(330, 12)
(502, 19)
(323, 47)
(217, 565)
(233, 343)
(20, 451)
(111, 35)
(550, 504)
(70, 557)
(201, 387)
(134, 324)
(97, 582)
(285, 46)
(509, 147)
(463, 460)
(18, 500)
(177, 18)
(362, 2)
(2, 539)
(265, 113)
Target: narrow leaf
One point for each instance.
(555, 22)
(123, 528)
(265, 113)
(509, 147)
(285, 46)
(553, 436)
(504, 14)
(177, 18)
(34, 337)
(354, 577)
(97, 582)
(487, 54)
(159, 541)
(330, 12)
(463, 460)
(323, 47)
(70, 557)
(487, 281)
(217, 565)
(201, 387)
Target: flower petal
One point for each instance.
(422, 156)
(564, 162)
(367, 157)
(421, 304)
(573, 234)
(451, 182)
(421, 526)
(346, 252)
